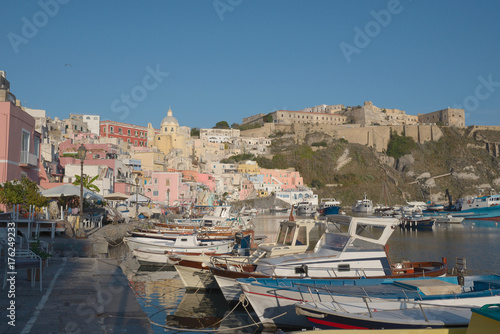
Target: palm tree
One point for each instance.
(87, 182)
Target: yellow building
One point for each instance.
(170, 136)
(249, 167)
(152, 160)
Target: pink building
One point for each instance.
(167, 187)
(287, 179)
(247, 188)
(19, 144)
(206, 179)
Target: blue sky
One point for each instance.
(229, 59)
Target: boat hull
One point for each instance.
(411, 318)
(226, 279)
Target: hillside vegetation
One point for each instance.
(346, 171)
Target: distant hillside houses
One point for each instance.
(365, 115)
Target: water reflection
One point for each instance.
(164, 299)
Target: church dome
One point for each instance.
(169, 120)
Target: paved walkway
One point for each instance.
(79, 295)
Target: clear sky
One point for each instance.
(228, 59)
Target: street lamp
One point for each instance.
(82, 153)
(136, 197)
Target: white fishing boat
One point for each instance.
(293, 237)
(353, 247)
(419, 304)
(274, 299)
(364, 205)
(449, 219)
(183, 243)
(305, 208)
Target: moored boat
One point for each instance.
(356, 253)
(420, 304)
(364, 205)
(293, 237)
(417, 223)
(274, 299)
(329, 206)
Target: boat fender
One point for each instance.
(300, 311)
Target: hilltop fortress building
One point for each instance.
(366, 115)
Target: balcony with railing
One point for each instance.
(28, 159)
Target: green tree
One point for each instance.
(87, 182)
(195, 132)
(24, 192)
(221, 125)
(268, 118)
(400, 145)
(316, 184)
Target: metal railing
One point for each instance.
(28, 158)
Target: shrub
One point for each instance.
(400, 145)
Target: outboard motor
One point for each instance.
(302, 270)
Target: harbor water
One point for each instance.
(172, 309)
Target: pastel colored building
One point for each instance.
(133, 134)
(168, 188)
(249, 167)
(19, 144)
(206, 179)
(247, 189)
(286, 179)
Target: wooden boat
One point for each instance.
(449, 219)
(430, 311)
(484, 320)
(188, 243)
(274, 299)
(417, 223)
(277, 209)
(293, 237)
(358, 253)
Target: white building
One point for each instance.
(93, 122)
(105, 180)
(298, 195)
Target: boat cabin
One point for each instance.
(294, 237)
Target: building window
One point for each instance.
(155, 192)
(155, 181)
(120, 131)
(25, 141)
(103, 130)
(128, 132)
(110, 129)
(136, 133)
(128, 140)
(167, 182)
(36, 149)
(135, 142)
